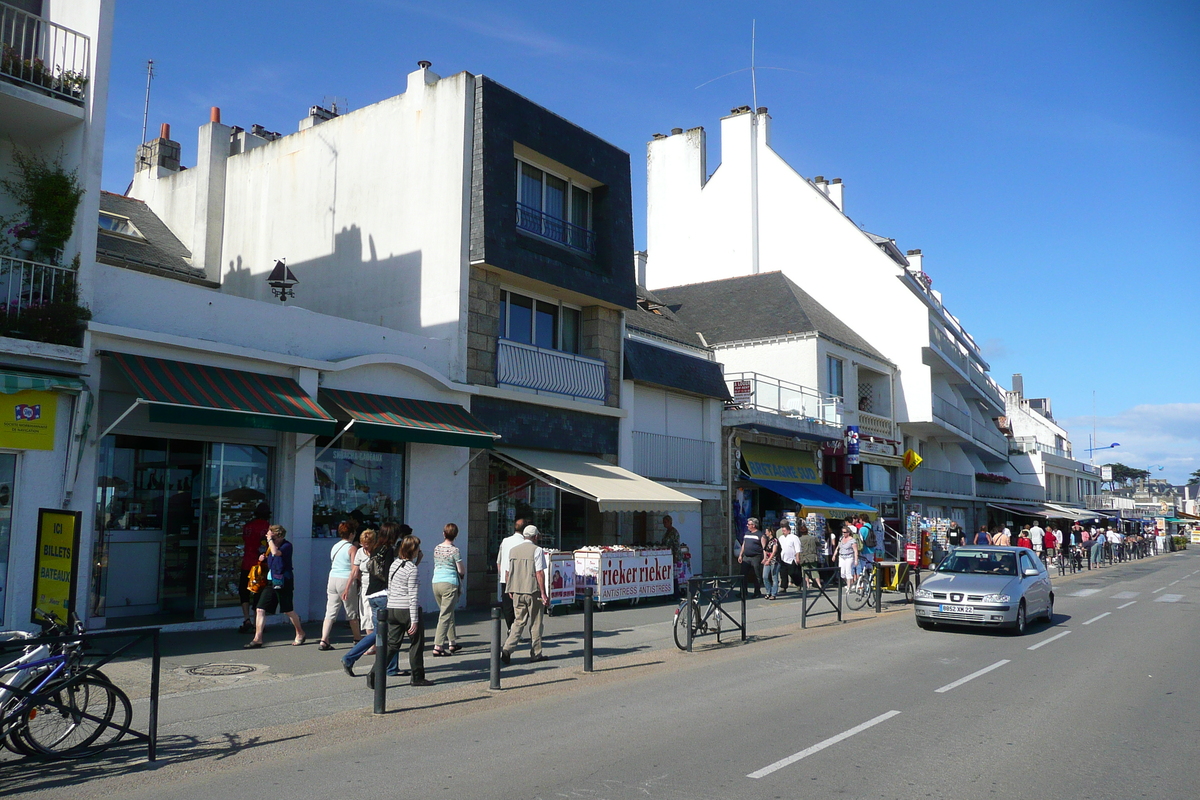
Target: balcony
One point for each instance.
(1026, 492)
(986, 386)
(555, 229)
(875, 425)
(986, 434)
(764, 393)
(543, 370)
(1027, 444)
(40, 302)
(673, 458)
(940, 341)
(943, 482)
(951, 414)
(43, 57)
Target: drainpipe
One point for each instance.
(754, 266)
(729, 495)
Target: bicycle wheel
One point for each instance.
(858, 594)
(681, 622)
(68, 726)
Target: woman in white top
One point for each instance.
(340, 592)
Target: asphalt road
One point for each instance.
(1100, 704)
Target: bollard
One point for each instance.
(879, 588)
(804, 578)
(495, 684)
(839, 585)
(745, 588)
(693, 584)
(381, 662)
(587, 628)
(155, 671)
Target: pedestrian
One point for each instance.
(254, 544)
(1023, 540)
(982, 536)
(448, 572)
(375, 557)
(954, 537)
(847, 552)
(1097, 552)
(807, 558)
(1002, 537)
(789, 554)
(515, 538)
(404, 613)
(750, 555)
(281, 585)
(339, 594)
(1049, 544)
(671, 538)
(770, 562)
(526, 583)
(1037, 535)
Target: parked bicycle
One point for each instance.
(705, 620)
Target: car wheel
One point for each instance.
(1050, 610)
(1018, 626)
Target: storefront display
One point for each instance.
(561, 578)
(620, 573)
(360, 479)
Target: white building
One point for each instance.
(754, 213)
(54, 64)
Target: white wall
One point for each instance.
(793, 359)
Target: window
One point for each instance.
(114, 223)
(357, 478)
(544, 323)
(554, 208)
(835, 376)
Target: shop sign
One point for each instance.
(777, 464)
(625, 575)
(27, 420)
(562, 579)
(742, 393)
(877, 448)
(906, 491)
(851, 444)
(912, 460)
(1106, 473)
(56, 563)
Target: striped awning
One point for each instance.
(400, 419)
(195, 394)
(12, 382)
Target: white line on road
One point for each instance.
(972, 676)
(1047, 641)
(1084, 592)
(1172, 583)
(1093, 619)
(816, 748)
(1156, 591)
(1169, 598)
(1127, 605)
(1125, 595)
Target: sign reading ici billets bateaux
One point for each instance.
(56, 563)
(27, 420)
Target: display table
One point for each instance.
(627, 574)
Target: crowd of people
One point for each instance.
(773, 557)
(1099, 544)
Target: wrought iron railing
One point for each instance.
(656, 455)
(37, 53)
(555, 229)
(30, 285)
(762, 392)
(545, 370)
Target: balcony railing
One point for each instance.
(32, 295)
(752, 390)
(875, 425)
(1010, 491)
(989, 388)
(673, 458)
(38, 54)
(943, 482)
(1027, 444)
(544, 370)
(941, 342)
(951, 414)
(985, 433)
(555, 229)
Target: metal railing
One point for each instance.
(765, 393)
(555, 229)
(37, 53)
(986, 433)
(538, 368)
(941, 342)
(951, 414)
(937, 480)
(663, 457)
(1010, 491)
(875, 425)
(30, 284)
(981, 381)
(1027, 444)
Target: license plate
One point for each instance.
(957, 609)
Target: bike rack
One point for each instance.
(715, 586)
(150, 737)
(825, 578)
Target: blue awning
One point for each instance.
(818, 497)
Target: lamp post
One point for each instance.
(282, 282)
(1093, 449)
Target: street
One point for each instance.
(1099, 705)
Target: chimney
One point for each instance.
(676, 131)
(1018, 385)
(834, 192)
(158, 154)
(422, 76)
(317, 115)
(639, 265)
(214, 114)
(915, 260)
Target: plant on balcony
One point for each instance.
(50, 196)
(49, 312)
(992, 477)
(35, 71)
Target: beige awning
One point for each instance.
(611, 487)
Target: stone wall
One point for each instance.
(483, 326)
(602, 340)
(481, 587)
(715, 536)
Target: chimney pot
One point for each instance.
(660, 136)
(164, 131)
(913, 253)
(837, 180)
(214, 114)
(819, 179)
(762, 109)
(676, 131)
(424, 64)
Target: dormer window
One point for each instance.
(554, 207)
(115, 223)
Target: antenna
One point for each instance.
(146, 108)
(753, 76)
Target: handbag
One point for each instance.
(257, 579)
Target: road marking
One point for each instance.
(1156, 591)
(1047, 641)
(972, 676)
(1093, 619)
(1085, 592)
(1169, 598)
(816, 748)
(1127, 605)
(1172, 583)
(1125, 595)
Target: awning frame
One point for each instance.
(550, 479)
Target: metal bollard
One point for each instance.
(587, 628)
(804, 576)
(839, 585)
(745, 588)
(879, 588)
(381, 662)
(495, 684)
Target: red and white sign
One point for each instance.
(625, 575)
(911, 552)
(561, 579)
(742, 393)
(906, 491)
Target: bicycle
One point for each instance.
(860, 592)
(700, 620)
(63, 710)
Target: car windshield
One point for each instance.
(980, 562)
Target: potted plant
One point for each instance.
(26, 235)
(50, 195)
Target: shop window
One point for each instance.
(514, 494)
(544, 323)
(360, 479)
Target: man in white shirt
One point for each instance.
(502, 566)
(1037, 535)
(789, 551)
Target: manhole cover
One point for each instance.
(220, 670)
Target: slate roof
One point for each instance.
(757, 307)
(662, 322)
(661, 366)
(160, 252)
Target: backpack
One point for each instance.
(378, 563)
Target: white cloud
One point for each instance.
(1166, 435)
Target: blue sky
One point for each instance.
(1044, 155)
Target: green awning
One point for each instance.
(194, 394)
(12, 382)
(399, 419)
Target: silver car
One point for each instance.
(985, 585)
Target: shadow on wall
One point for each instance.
(343, 284)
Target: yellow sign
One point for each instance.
(911, 460)
(56, 563)
(27, 420)
(777, 464)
